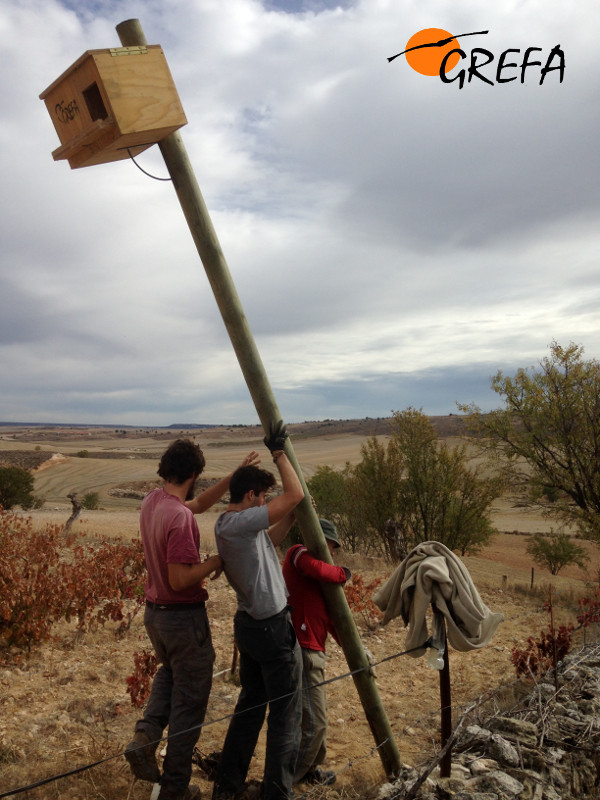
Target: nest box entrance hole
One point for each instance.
(94, 102)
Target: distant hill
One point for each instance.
(450, 425)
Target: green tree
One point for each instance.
(442, 498)
(328, 491)
(555, 551)
(408, 489)
(374, 486)
(16, 488)
(549, 434)
(335, 500)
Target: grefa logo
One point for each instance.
(434, 51)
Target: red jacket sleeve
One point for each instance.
(317, 569)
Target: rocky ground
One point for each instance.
(545, 747)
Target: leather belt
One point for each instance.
(174, 606)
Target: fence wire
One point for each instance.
(590, 636)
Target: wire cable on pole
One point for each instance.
(154, 177)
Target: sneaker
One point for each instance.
(324, 777)
(140, 755)
(191, 793)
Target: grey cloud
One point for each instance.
(303, 6)
(353, 198)
(20, 321)
(436, 391)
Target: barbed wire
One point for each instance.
(85, 767)
(334, 679)
(368, 668)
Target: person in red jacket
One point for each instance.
(304, 575)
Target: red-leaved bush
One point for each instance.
(360, 599)
(138, 684)
(540, 655)
(46, 576)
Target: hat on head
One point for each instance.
(329, 531)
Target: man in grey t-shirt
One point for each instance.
(270, 661)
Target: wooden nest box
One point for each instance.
(113, 103)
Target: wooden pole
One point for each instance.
(194, 208)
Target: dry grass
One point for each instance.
(66, 705)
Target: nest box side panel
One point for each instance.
(140, 91)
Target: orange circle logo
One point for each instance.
(426, 49)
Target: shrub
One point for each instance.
(90, 501)
(100, 578)
(46, 576)
(138, 684)
(555, 551)
(539, 655)
(554, 644)
(360, 599)
(30, 594)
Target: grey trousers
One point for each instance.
(313, 746)
(181, 687)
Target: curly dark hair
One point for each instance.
(182, 459)
(246, 478)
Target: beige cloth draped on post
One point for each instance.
(431, 573)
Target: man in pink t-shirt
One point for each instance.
(176, 620)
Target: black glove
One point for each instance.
(277, 436)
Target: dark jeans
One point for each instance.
(181, 687)
(270, 671)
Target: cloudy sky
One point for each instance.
(394, 240)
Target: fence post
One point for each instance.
(445, 707)
(552, 633)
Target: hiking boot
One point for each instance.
(251, 790)
(217, 795)
(191, 793)
(140, 755)
(323, 777)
